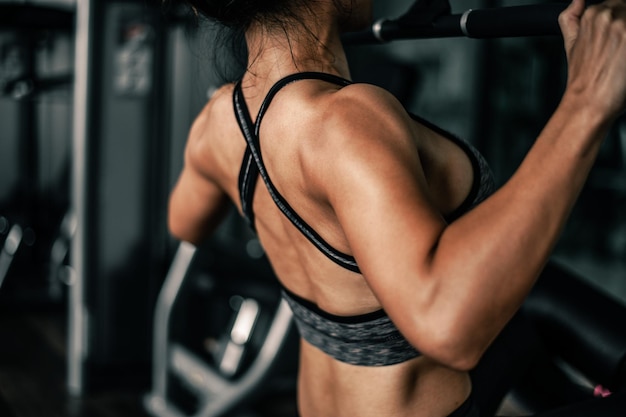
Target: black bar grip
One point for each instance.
(537, 20)
(514, 21)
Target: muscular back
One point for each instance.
(298, 151)
(309, 133)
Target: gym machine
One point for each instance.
(245, 347)
(120, 246)
(103, 247)
(34, 195)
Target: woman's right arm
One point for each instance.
(451, 288)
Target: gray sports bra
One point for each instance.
(369, 339)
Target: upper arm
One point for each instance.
(197, 203)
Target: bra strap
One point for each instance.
(254, 162)
(248, 177)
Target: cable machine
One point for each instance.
(33, 205)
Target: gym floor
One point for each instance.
(32, 373)
(33, 376)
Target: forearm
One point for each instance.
(488, 260)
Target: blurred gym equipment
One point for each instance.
(119, 251)
(34, 195)
(247, 347)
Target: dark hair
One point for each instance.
(240, 14)
(226, 50)
(235, 17)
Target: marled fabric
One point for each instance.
(483, 182)
(367, 340)
(486, 182)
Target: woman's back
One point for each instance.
(295, 150)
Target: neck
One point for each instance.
(276, 53)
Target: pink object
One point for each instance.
(600, 391)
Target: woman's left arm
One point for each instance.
(197, 203)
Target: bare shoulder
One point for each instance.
(364, 137)
(361, 118)
(207, 142)
(218, 106)
(364, 114)
(362, 100)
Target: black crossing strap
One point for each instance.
(250, 132)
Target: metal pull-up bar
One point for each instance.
(514, 21)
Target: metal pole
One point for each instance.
(77, 312)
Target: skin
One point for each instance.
(376, 185)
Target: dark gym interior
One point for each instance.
(103, 313)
